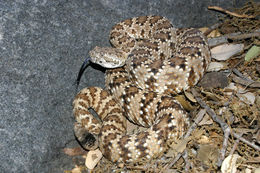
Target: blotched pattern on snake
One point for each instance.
(150, 61)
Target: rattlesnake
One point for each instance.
(151, 61)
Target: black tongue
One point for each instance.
(81, 71)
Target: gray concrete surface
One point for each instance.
(42, 46)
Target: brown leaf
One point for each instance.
(225, 51)
(190, 96)
(185, 104)
(206, 120)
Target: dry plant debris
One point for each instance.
(224, 135)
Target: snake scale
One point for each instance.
(150, 61)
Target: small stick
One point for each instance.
(225, 128)
(229, 12)
(186, 158)
(244, 36)
(213, 115)
(238, 73)
(136, 168)
(242, 81)
(246, 141)
(199, 117)
(175, 159)
(224, 146)
(235, 145)
(233, 36)
(217, 119)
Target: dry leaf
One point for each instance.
(206, 120)
(225, 51)
(248, 98)
(212, 34)
(229, 164)
(230, 88)
(217, 66)
(180, 146)
(190, 96)
(211, 96)
(177, 147)
(93, 158)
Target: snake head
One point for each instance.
(107, 57)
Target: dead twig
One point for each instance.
(246, 141)
(216, 8)
(244, 36)
(224, 146)
(218, 119)
(245, 82)
(188, 165)
(213, 115)
(235, 145)
(136, 168)
(232, 36)
(238, 73)
(198, 118)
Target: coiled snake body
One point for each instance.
(150, 61)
